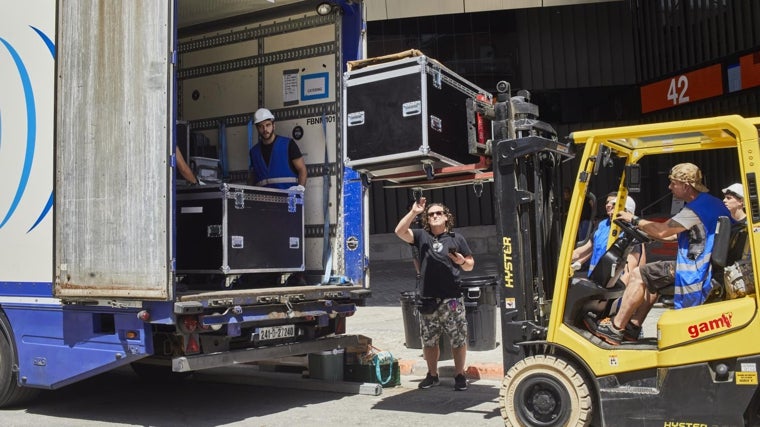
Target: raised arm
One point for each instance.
(402, 229)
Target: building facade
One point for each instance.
(587, 64)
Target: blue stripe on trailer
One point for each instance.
(26, 289)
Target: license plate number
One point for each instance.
(276, 332)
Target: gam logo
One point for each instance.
(722, 322)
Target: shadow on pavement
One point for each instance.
(443, 400)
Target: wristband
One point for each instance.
(635, 221)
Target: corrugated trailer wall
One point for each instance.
(232, 67)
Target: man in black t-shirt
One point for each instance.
(443, 254)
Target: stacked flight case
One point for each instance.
(235, 229)
(404, 113)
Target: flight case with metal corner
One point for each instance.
(234, 229)
(406, 115)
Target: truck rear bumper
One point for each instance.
(234, 357)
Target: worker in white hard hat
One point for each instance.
(733, 198)
(276, 161)
(595, 247)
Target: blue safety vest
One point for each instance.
(693, 271)
(601, 235)
(278, 173)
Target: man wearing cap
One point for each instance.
(690, 273)
(276, 161)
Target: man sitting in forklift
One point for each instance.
(738, 277)
(690, 272)
(595, 248)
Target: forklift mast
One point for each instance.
(530, 211)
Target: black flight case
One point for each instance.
(234, 229)
(406, 113)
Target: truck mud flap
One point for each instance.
(216, 360)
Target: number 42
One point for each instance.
(677, 90)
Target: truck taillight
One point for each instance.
(192, 344)
(144, 315)
(189, 323)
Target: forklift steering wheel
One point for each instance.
(628, 229)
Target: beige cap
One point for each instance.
(690, 174)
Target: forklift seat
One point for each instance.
(603, 283)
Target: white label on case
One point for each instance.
(295, 243)
(237, 242)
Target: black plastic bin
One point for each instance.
(411, 320)
(412, 327)
(481, 300)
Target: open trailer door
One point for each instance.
(114, 116)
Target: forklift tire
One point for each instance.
(11, 394)
(544, 391)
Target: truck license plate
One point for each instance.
(276, 332)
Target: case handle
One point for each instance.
(412, 108)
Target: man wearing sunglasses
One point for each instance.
(443, 254)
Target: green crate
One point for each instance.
(367, 374)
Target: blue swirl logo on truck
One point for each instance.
(31, 135)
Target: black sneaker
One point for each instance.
(460, 383)
(429, 381)
(607, 331)
(631, 332)
(590, 321)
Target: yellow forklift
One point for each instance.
(700, 367)
(556, 372)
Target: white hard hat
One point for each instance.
(736, 189)
(630, 204)
(262, 114)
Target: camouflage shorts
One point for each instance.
(445, 320)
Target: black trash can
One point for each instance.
(481, 300)
(411, 320)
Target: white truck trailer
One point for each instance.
(106, 258)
